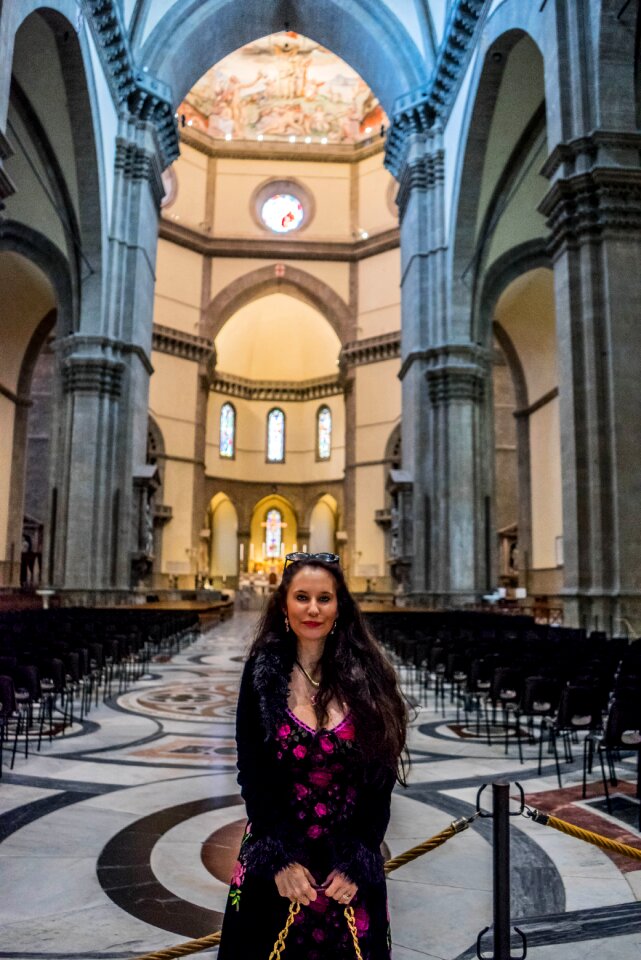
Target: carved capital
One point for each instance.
(457, 373)
(269, 390)
(592, 204)
(92, 375)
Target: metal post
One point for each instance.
(501, 858)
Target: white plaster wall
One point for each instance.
(178, 287)
(328, 183)
(374, 214)
(379, 294)
(251, 343)
(190, 170)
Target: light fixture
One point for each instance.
(323, 139)
(190, 123)
(308, 139)
(228, 136)
(368, 129)
(364, 234)
(292, 139)
(260, 137)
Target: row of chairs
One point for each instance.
(54, 665)
(545, 685)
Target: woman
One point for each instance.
(321, 730)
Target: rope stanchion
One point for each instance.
(586, 835)
(457, 826)
(195, 946)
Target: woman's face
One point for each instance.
(312, 604)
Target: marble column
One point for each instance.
(100, 430)
(446, 441)
(594, 215)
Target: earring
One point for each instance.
(333, 630)
(286, 623)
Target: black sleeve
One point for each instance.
(271, 848)
(361, 858)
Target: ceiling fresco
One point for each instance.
(284, 87)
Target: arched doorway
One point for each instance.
(273, 533)
(223, 550)
(323, 523)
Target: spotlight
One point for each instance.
(260, 137)
(323, 139)
(228, 136)
(292, 139)
(308, 139)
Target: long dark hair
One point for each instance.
(354, 670)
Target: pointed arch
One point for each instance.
(286, 279)
(195, 34)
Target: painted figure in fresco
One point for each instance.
(321, 728)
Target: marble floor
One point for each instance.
(118, 838)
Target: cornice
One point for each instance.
(180, 344)
(609, 148)
(387, 346)
(276, 248)
(270, 390)
(83, 346)
(418, 110)
(452, 356)
(146, 98)
(275, 150)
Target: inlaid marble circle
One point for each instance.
(203, 700)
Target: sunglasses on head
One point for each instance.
(325, 557)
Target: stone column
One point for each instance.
(447, 445)
(100, 433)
(594, 215)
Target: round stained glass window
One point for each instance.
(282, 213)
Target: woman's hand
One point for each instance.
(340, 888)
(296, 883)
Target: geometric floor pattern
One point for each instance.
(118, 838)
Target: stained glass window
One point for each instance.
(282, 213)
(324, 433)
(227, 430)
(275, 436)
(273, 533)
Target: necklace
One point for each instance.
(314, 683)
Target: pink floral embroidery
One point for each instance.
(318, 934)
(320, 778)
(320, 810)
(346, 730)
(299, 751)
(326, 745)
(238, 875)
(361, 918)
(285, 730)
(350, 794)
(314, 831)
(301, 791)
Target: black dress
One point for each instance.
(310, 799)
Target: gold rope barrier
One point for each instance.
(213, 939)
(573, 831)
